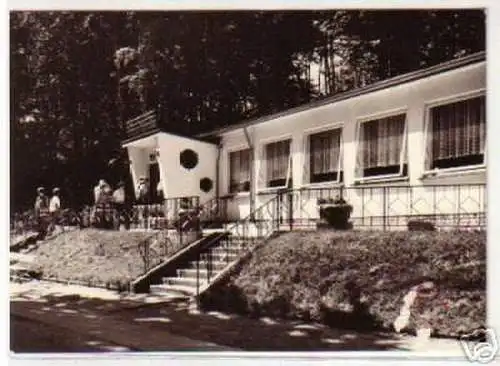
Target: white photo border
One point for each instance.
(276, 358)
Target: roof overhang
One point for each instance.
(149, 139)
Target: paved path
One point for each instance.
(43, 316)
(106, 321)
(90, 331)
(29, 335)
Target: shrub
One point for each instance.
(342, 277)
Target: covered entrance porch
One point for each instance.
(176, 172)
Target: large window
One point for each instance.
(457, 134)
(278, 164)
(239, 171)
(325, 156)
(382, 148)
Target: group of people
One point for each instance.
(103, 192)
(47, 211)
(110, 206)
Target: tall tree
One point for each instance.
(64, 110)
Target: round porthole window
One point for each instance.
(188, 159)
(206, 184)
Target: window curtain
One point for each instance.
(459, 129)
(325, 152)
(381, 142)
(277, 156)
(239, 168)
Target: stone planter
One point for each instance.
(335, 213)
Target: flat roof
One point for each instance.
(380, 85)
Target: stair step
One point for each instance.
(165, 289)
(241, 242)
(210, 231)
(191, 273)
(220, 256)
(231, 250)
(17, 268)
(216, 265)
(185, 282)
(232, 244)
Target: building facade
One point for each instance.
(410, 146)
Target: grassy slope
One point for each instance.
(295, 273)
(94, 256)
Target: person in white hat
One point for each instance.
(55, 208)
(98, 190)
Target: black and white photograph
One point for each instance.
(249, 181)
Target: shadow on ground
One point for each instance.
(180, 317)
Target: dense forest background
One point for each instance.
(75, 76)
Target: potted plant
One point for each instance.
(335, 212)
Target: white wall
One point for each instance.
(177, 181)
(412, 98)
(180, 182)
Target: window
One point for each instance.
(278, 164)
(324, 156)
(239, 170)
(457, 134)
(382, 148)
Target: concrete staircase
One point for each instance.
(20, 267)
(213, 261)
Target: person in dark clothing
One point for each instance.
(42, 214)
(104, 207)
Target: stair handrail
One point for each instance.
(229, 233)
(239, 223)
(209, 208)
(144, 246)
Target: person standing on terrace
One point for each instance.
(42, 214)
(120, 202)
(55, 208)
(142, 191)
(159, 192)
(98, 190)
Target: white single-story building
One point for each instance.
(413, 145)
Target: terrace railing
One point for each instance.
(153, 216)
(174, 217)
(238, 239)
(391, 207)
(26, 224)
